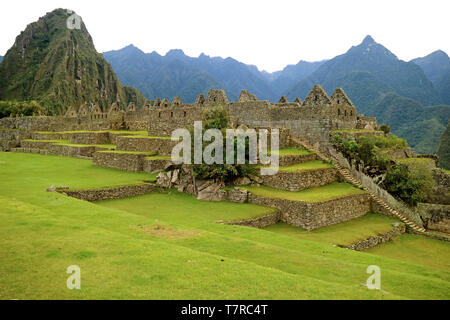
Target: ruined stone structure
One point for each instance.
(312, 119)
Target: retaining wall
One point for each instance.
(311, 216)
(374, 241)
(121, 161)
(301, 180)
(110, 193)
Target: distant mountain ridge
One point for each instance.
(405, 78)
(436, 66)
(177, 74)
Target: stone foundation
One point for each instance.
(296, 181)
(110, 193)
(285, 161)
(154, 165)
(159, 146)
(88, 137)
(122, 161)
(311, 216)
(374, 241)
(260, 222)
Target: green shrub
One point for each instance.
(218, 118)
(385, 128)
(410, 186)
(20, 108)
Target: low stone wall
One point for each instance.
(38, 144)
(122, 161)
(10, 138)
(285, 161)
(296, 181)
(374, 241)
(71, 151)
(260, 222)
(311, 216)
(160, 146)
(88, 137)
(8, 145)
(47, 136)
(436, 217)
(110, 193)
(401, 153)
(237, 195)
(154, 165)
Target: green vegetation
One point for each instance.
(410, 185)
(20, 109)
(325, 193)
(342, 234)
(305, 166)
(444, 149)
(217, 118)
(170, 244)
(385, 128)
(415, 249)
(292, 152)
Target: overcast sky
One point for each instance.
(268, 34)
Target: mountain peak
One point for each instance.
(368, 40)
(175, 53)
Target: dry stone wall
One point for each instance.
(370, 242)
(301, 180)
(260, 222)
(110, 193)
(311, 216)
(154, 165)
(123, 161)
(157, 145)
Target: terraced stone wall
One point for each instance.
(301, 180)
(152, 165)
(260, 222)
(311, 216)
(110, 193)
(132, 143)
(374, 241)
(121, 161)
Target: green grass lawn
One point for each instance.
(292, 152)
(343, 234)
(168, 246)
(416, 249)
(328, 192)
(306, 166)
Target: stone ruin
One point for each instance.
(247, 96)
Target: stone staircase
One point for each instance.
(348, 177)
